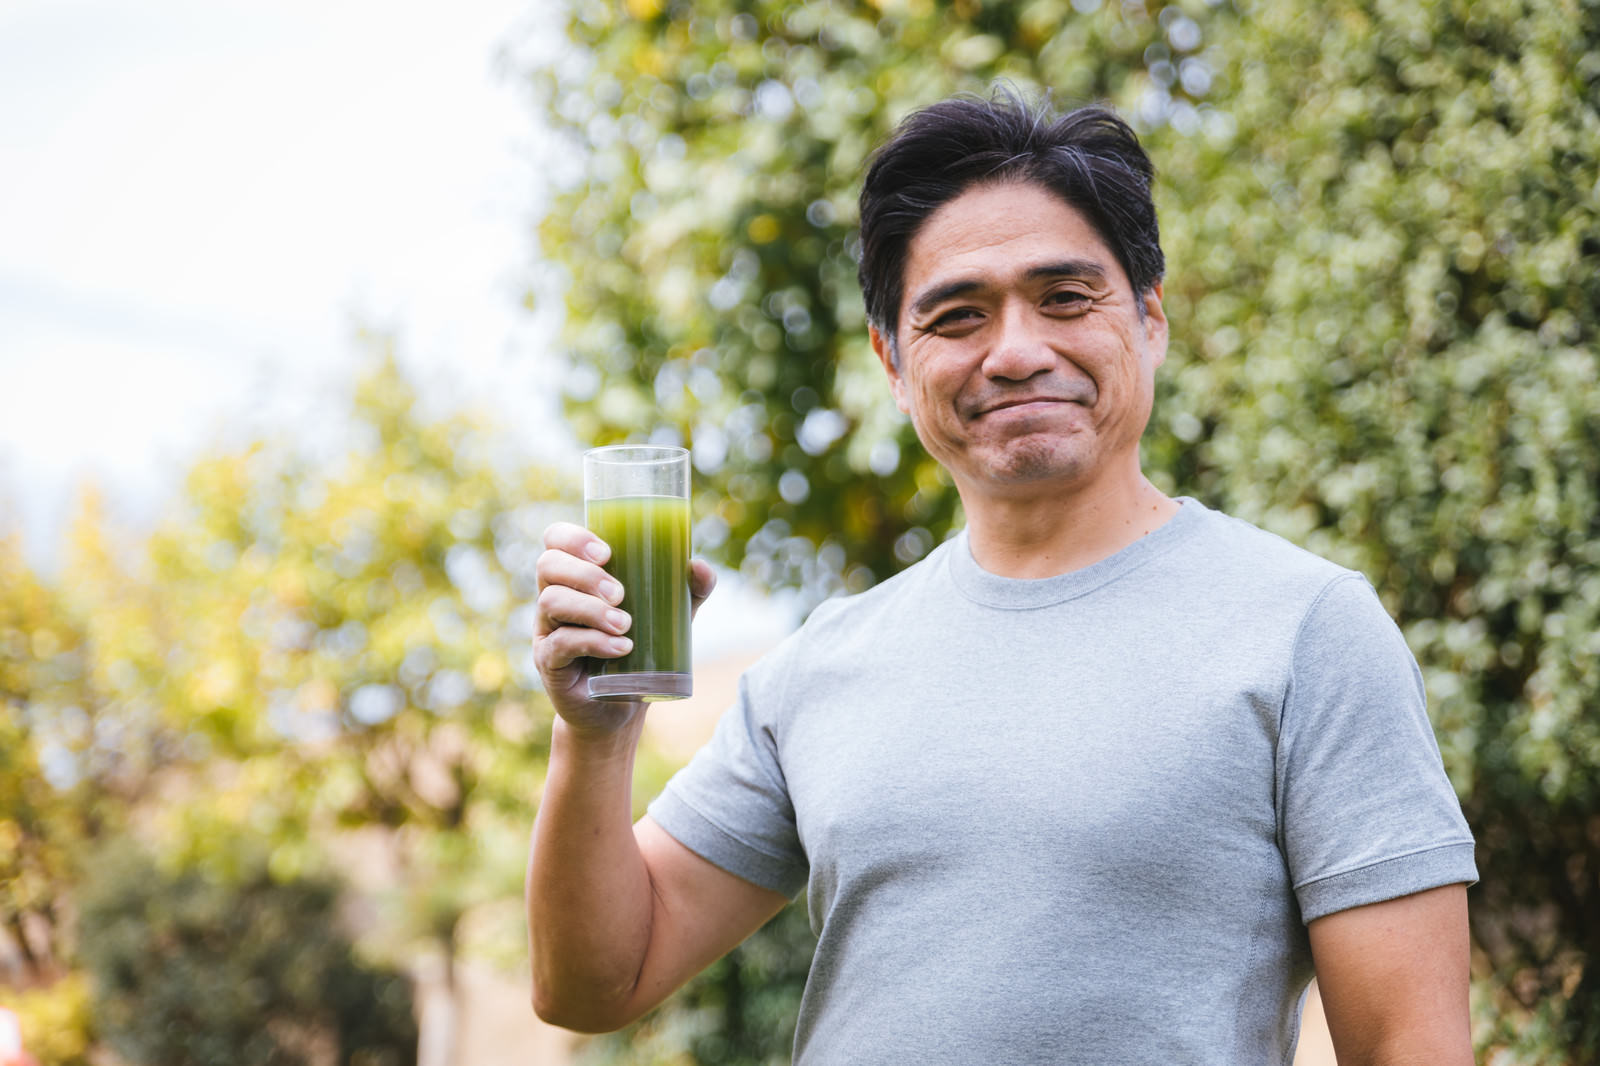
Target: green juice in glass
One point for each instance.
(649, 539)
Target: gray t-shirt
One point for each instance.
(1080, 819)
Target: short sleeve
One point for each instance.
(1365, 810)
(730, 805)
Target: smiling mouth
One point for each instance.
(1029, 402)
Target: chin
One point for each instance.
(1027, 461)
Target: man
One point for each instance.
(1103, 778)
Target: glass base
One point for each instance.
(648, 687)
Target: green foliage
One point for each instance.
(1387, 285)
(365, 606)
(191, 970)
(1383, 234)
(47, 809)
(709, 241)
(341, 642)
(323, 652)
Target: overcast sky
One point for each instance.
(199, 200)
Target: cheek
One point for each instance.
(1132, 386)
(1128, 368)
(935, 399)
(929, 408)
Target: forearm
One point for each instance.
(588, 891)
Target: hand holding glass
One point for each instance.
(636, 499)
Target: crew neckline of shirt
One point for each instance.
(1022, 593)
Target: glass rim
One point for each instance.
(664, 454)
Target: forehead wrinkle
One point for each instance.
(1085, 269)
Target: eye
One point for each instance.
(1066, 299)
(955, 320)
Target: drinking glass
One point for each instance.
(636, 499)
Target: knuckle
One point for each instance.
(541, 570)
(565, 536)
(553, 532)
(555, 651)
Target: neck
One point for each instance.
(1056, 530)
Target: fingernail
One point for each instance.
(621, 645)
(618, 620)
(611, 591)
(597, 551)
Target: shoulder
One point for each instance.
(1235, 553)
(890, 602)
(840, 637)
(843, 631)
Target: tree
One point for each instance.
(326, 644)
(1383, 246)
(341, 641)
(709, 242)
(38, 822)
(708, 237)
(1387, 273)
(59, 792)
(193, 970)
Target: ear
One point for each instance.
(1155, 324)
(884, 350)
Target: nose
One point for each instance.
(1020, 348)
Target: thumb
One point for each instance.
(702, 579)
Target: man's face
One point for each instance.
(1023, 358)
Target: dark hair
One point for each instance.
(1089, 157)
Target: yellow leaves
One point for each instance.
(650, 60)
(233, 806)
(763, 229)
(291, 859)
(489, 672)
(46, 643)
(643, 10)
(288, 586)
(969, 53)
(624, 406)
(217, 685)
(931, 477)
(731, 511)
(255, 561)
(10, 840)
(512, 721)
(55, 1019)
(317, 696)
(909, 9)
(217, 655)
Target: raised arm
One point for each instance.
(1393, 978)
(618, 915)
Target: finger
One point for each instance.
(557, 567)
(563, 606)
(702, 579)
(565, 645)
(575, 540)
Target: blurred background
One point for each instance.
(307, 310)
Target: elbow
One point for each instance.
(577, 1013)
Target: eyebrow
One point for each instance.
(1085, 269)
